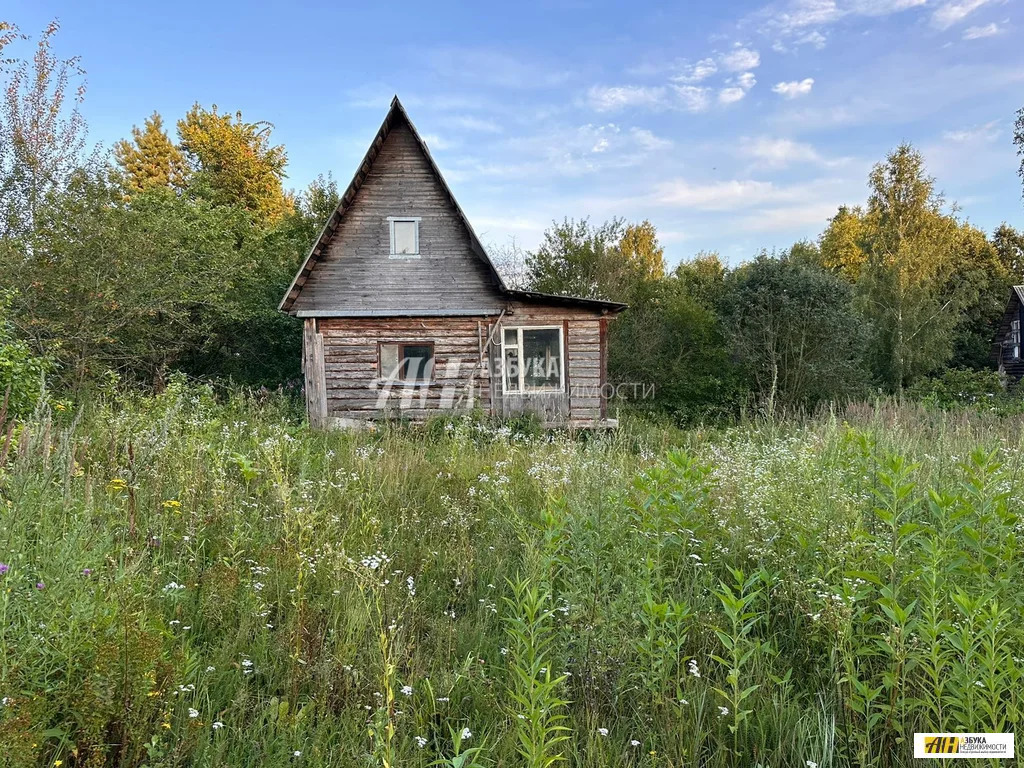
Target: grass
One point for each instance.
(203, 583)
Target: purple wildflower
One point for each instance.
(4, 568)
(87, 571)
(40, 585)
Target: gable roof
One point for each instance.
(397, 115)
(1019, 290)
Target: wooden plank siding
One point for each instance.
(1001, 353)
(354, 389)
(356, 273)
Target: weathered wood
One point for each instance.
(355, 272)
(313, 370)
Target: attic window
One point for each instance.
(405, 236)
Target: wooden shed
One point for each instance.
(406, 315)
(1007, 354)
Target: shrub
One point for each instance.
(22, 374)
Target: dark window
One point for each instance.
(412, 362)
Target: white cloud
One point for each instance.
(945, 16)
(692, 98)
(976, 33)
(731, 94)
(778, 153)
(714, 196)
(436, 142)
(648, 141)
(794, 88)
(882, 7)
(740, 59)
(746, 81)
(612, 98)
(814, 37)
(694, 73)
(470, 123)
(803, 21)
(979, 133)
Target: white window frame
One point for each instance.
(391, 236)
(1015, 338)
(521, 373)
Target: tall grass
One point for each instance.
(201, 583)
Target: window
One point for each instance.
(532, 359)
(411, 362)
(405, 236)
(1015, 339)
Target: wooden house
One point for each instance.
(406, 315)
(1007, 351)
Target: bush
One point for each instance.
(959, 388)
(21, 373)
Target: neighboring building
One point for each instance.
(406, 316)
(1007, 350)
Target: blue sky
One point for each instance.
(731, 126)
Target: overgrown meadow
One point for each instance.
(201, 582)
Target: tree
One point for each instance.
(1009, 245)
(903, 282)
(42, 133)
(978, 286)
(234, 163)
(641, 254)
(150, 159)
(572, 257)
(1018, 140)
(672, 340)
(842, 243)
(794, 332)
(608, 261)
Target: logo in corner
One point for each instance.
(999, 745)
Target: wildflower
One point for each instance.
(603, 731)
(694, 670)
(217, 725)
(811, 764)
(407, 690)
(723, 711)
(58, 763)
(634, 743)
(211, 669)
(172, 504)
(87, 571)
(193, 713)
(297, 753)
(466, 734)
(420, 741)
(4, 568)
(684, 702)
(411, 586)
(40, 585)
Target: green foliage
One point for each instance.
(794, 333)
(22, 374)
(962, 387)
(353, 597)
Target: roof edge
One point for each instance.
(329, 228)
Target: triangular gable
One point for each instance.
(396, 115)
